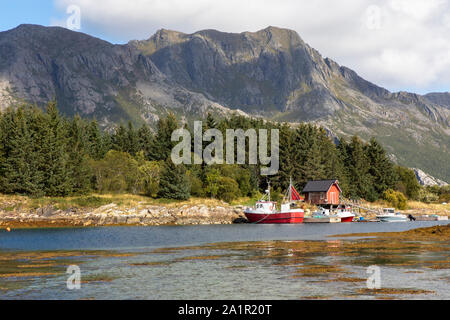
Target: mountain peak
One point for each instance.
(50, 38)
(280, 38)
(268, 73)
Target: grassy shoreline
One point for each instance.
(94, 201)
(18, 211)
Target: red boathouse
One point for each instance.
(322, 192)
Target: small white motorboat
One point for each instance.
(342, 214)
(389, 215)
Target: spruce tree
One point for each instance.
(361, 184)
(19, 170)
(57, 178)
(287, 155)
(132, 146)
(407, 182)
(162, 146)
(94, 143)
(119, 139)
(308, 156)
(381, 168)
(210, 122)
(145, 141)
(77, 164)
(2, 154)
(174, 183)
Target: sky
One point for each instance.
(401, 45)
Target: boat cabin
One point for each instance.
(265, 206)
(322, 192)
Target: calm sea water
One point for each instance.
(125, 238)
(230, 275)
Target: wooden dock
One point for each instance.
(430, 218)
(424, 218)
(321, 220)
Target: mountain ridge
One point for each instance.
(271, 73)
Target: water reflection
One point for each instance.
(263, 269)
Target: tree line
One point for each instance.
(43, 153)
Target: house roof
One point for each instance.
(319, 185)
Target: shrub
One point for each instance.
(212, 181)
(407, 183)
(442, 192)
(149, 177)
(90, 201)
(426, 196)
(228, 189)
(395, 198)
(196, 185)
(117, 172)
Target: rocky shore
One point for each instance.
(114, 215)
(21, 212)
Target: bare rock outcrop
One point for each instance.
(428, 180)
(111, 214)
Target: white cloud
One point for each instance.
(398, 44)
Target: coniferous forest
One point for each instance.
(43, 153)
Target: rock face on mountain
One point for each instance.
(86, 75)
(268, 72)
(271, 73)
(262, 72)
(440, 98)
(427, 180)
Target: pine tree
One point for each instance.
(57, 179)
(162, 146)
(329, 156)
(381, 168)
(77, 164)
(94, 143)
(145, 141)
(210, 122)
(308, 155)
(19, 170)
(361, 184)
(407, 182)
(119, 139)
(132, 146)
(174, 183)
(287, 155)
(2, 153)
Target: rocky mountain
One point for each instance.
(427, 180)
(440, 98)
(271, 73)
(88, 76)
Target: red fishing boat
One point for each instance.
(265, 211)
(345, 214)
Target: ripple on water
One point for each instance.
(267, 269)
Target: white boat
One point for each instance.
(389, 215)
(343, 214)
(321, 213)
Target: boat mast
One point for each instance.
(290, 189)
